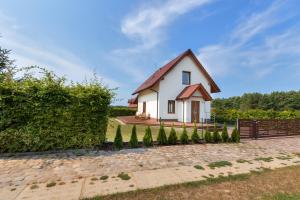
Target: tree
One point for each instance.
(207, 136)
(235, 135)
(195, 136)
(6, 65)
(162, 137)
(147, 139)
(225, 133)
(216, 136)
(184, 138)
(172, 139)
(118, 142)
(133, 139)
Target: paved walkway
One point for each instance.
(77, 174)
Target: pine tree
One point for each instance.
(225, 133)
(133, 139)
(147, 139)
(207, 136)
(162, 137)
(118, 142)
(195, 136)
(216, 136)
(235, 135)
(184, 138)
(172, 139)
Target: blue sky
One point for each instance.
(247, 46)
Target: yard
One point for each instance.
(126, 131)
(280, 184)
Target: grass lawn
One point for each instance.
(280, 184)
(126, 131)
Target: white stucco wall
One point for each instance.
(150, 98)
(172, 85)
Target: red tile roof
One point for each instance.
(158, 75)
(188, 91)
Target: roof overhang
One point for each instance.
(188, 92)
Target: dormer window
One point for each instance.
(186, 78)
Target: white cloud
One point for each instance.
(146, 26)
(250, 48)
(28, 52)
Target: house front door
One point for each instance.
(195, 111)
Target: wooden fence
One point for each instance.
(268, 128)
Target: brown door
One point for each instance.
(144, 107)
(195, 111)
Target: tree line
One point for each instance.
(277, 101)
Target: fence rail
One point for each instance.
(268, 128)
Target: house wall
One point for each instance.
(171, 86)
(151, 103)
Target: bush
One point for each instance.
(235, 135)
(184, 138)
(225, 133)
(195, 136)
(118, 142)
(172, 139)
(116, 111)
(133, 139)
(45, 114)
(216, 136)
(162, 137)
(147, 139)
(207, 136)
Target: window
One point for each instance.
(186, 78)
(144, 107)
(171, 106)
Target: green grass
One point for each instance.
(218, 164)
(287, 157)
(243, 161)
(103, 177)
(283, 196)
(199, 167)
(265, 159)
(140, 129)
(124, 176)
(52, 184)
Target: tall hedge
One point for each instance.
(116, 111)
(48, 114)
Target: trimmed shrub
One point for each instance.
(116, 111)
(162, 137)
(147, 139)
(195, 136)
(133, 139)
(184, 138)
(172, 139)
(207, 136)
(235, 135)
(118, 142)
(216, 136)
(225, 133)
(41, 114)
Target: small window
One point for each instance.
(144, 107)
(171, 106)
(186, 78)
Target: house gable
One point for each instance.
(161, 72)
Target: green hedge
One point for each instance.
(46, 114)
(116, 111)
(231, 115)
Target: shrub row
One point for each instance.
(172, 139)
(231, 115)
(116, 111)
(46, 114)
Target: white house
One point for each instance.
(178, 91)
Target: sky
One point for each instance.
(246, 46)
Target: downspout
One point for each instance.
(156, 103)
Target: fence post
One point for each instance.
(254, 122)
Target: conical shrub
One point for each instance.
(184, 138)
(118, 141)
(235, 135)
(207, 136)
(172, 139)
(225, 136)
(133, 139)
(162, 137)
(195, 136)
(147, 139)
(216, 136)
